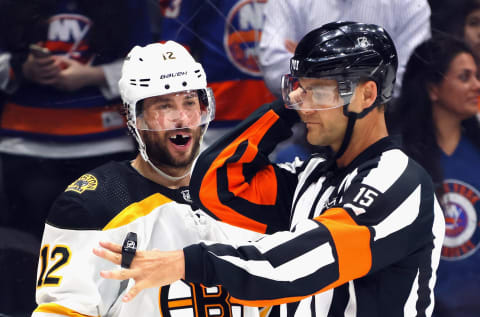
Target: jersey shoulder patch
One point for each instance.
(83, 183)
(95, 198)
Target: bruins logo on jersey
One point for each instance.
(188, 299)
(85, 182)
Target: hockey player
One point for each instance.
(357, 233)
(168, 107)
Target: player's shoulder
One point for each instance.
(113, 177)
(92, 200)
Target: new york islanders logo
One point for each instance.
(461, 204)
(242, 35)
(67, 34)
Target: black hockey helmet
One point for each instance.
(347, 53)
(348, 50)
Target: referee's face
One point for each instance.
(325, 125)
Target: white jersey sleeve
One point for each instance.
(68, 276)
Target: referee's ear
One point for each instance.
(364, 96)
(369, 93)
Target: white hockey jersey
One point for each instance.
(105, 205)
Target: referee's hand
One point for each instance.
(152, 268)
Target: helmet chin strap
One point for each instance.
(165, 175)
(352, 118)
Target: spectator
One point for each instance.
(223, 35)
(457, 19)
(60, 116)
(148, 195)
(407, 21)
(472, 26)
(436, 116)
(460, 20)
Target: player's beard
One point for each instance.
(161, 157)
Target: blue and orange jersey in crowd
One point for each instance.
(223, 35)
(44, 113)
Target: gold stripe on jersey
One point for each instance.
(265, 312)
(52, 308)
(180, 303)
(137, 210)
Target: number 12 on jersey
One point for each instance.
(60, 255)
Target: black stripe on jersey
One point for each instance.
(424, 291)
(311, 215)
(247, 286)
(242, 285)
(312, 307)
(317, 172)
(393, 197)
(292, 249)
(276, 216)
(242, 252)
(339, 301)
(292, 309)
(289, 250)
(424, 239)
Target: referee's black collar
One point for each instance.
(374, 150)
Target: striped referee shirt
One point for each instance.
(363, 240)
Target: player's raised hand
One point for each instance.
(152, 268)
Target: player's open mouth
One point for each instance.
(180, 139)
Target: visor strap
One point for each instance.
(352, 117)
(366, 110)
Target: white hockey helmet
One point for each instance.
(164, 69)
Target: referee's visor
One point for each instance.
(305, 93)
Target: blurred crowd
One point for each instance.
(61, 115)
